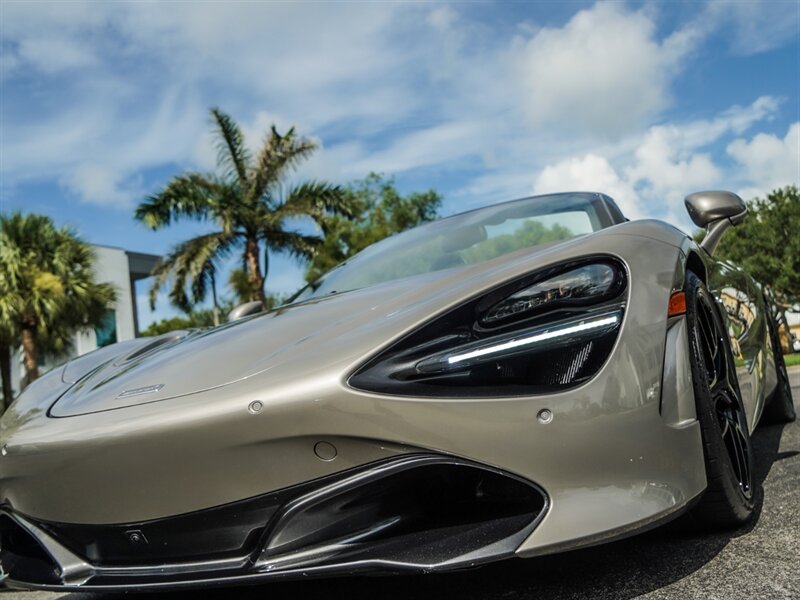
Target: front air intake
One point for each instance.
(23, 559)
(427, 509)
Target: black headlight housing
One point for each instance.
(548, 331)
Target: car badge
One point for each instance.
(150, 389)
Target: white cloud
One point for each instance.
(661, 168)
(141, 71)
(755, 26)
(604, 72)
(444, 143)
(443, 17)
(668, 162)
(735, 119)
(55, 54)
(588, 173)
(398, 88)
(96, 184)
(768, 161)
(95, 153)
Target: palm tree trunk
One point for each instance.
(30, 353)
(5, 373)
(254, 272)
(214, 298)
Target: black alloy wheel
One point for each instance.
(728, 453)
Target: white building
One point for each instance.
(122, 269)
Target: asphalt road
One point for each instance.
(759, 561)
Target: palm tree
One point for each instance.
(6, 341)
(55, 343)
(239, 284)
(251, 204)
(47, 287)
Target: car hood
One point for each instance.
(190, 362)
(198, 361)
(336, 332)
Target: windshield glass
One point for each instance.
(465, 239)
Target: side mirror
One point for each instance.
(245, 310)
(715, 211)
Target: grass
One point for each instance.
(792, 360)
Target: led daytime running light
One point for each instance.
(533, 339)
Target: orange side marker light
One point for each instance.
(677, 304)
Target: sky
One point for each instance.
(101, 103)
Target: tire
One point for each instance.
(727, 450)
(780, 407)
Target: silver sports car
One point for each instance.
(516, 380)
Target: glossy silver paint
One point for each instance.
(716, 211)
(706, 207)
(616, 454)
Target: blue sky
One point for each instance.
(101, 103)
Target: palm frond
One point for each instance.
(232, 153)
(279, 155)
(193, 196)
(317, 200)
(295, 244)
(191, 265)
(239, 282)
(47, 283)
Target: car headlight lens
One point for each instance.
(550, 330)
(584, 285)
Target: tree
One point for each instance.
(194, 319)
(56, 342)
(238, 284)
(251, 204)
(47, 287)
(379, 211)
(6, 341)
(767, 244)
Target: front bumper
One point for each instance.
(414, 513)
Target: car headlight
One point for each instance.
(584, 285)
(550, 330)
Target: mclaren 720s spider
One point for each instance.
(520, 379)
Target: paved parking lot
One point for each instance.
(759, 561)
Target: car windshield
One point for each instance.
(466, 239)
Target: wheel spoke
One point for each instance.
(721, 392)
(740, 444)
(724, 427)
(735, 440)
(706, 337)
(732, 443)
